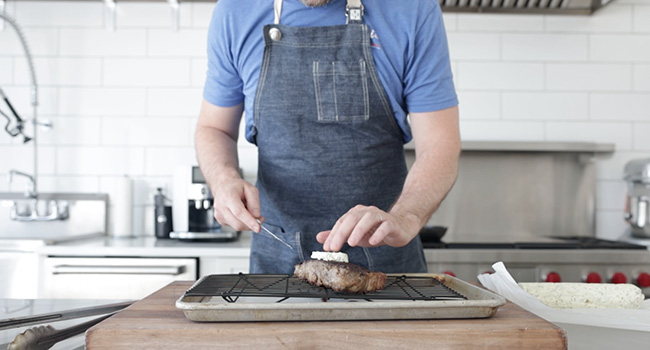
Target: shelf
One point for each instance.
(532, 146)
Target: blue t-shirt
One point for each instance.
(408, 39)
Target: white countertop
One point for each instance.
(148, 246)
(152, 247)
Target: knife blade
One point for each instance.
(273, 235)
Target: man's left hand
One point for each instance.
(368, 226)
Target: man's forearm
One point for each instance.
(236, 201)
(217, 155)
(429, 180)
(216, 143)
(437, 149)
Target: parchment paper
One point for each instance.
(502, 283)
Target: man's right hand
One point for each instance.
(236, 201)
(237, 204)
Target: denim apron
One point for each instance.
(327, 141)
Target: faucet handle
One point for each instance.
(30, 191)
(10, 176)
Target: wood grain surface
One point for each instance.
(155, 323)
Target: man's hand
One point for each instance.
(368, 226)
(237, 204)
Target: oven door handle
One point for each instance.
(173, 270)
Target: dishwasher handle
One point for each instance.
(173, 270)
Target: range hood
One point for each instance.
(570, 7)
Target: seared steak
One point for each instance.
(340, 276)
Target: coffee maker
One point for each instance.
(637, 208)
(192, 213)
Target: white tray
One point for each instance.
(480, 303)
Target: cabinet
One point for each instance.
(18, 274)
(111, 277)
(224, 265)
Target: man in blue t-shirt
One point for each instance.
(326, 87)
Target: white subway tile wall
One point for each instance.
(125, 102)
(641, 135)
(546, 105)
(588, 77)
(642, 76)
(544, 47)
(616, 19)
(6, 70)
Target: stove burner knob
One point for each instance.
(643, 280)
(553, 277)
(450, 273)
(619, 277)
(593, 277)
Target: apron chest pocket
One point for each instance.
(341, 90)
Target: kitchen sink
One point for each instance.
(50, 218)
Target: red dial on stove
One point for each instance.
(643, 280)
(619, 277)
(553, 277)
(593, 277)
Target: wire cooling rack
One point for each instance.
(231, 287)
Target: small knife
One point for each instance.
(273, 235)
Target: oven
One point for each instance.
(555, 259)
(533, 206)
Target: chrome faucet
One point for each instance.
(30, 191)
(33, 92)
(28, 210)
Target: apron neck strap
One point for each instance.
(277, 11)
(353, 11)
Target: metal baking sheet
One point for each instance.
(478, 303)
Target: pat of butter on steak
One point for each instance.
(340, 276)
(585, 295)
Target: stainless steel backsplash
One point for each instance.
(509, 194)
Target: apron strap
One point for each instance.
(277, 10)
(354, 11)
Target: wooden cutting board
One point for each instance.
(155, 323)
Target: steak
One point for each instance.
(340, 276)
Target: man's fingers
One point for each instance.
(238, 206)
(252, 201)
(365, 227)
(321, 237)
(341, 231)
(226, 217)
(380, 234)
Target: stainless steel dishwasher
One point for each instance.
(111, 277)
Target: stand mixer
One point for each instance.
(637, 208)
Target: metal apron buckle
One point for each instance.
(353, 13)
